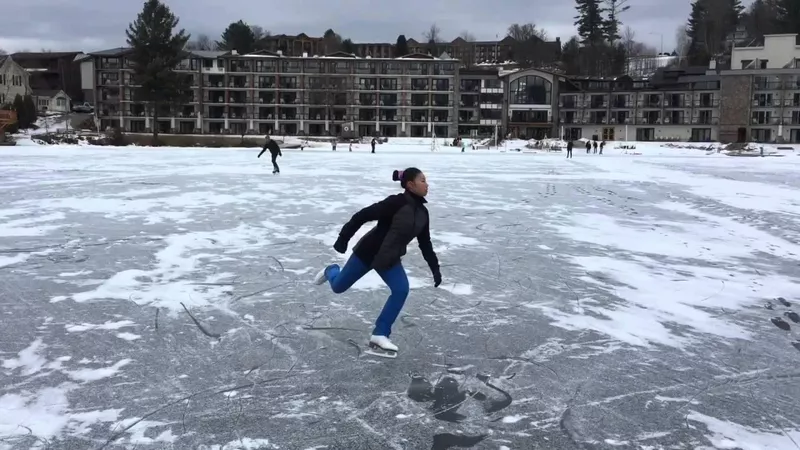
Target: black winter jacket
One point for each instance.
(273, 148)
(401, 218)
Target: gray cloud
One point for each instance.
(95, 24)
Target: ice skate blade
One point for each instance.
(381, 353)
(375, 350)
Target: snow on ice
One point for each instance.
(163, 297)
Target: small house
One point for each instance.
(53, 101)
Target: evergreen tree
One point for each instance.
(570, 56)
(238, 36)
(22, 118)
(590, 22)
(401, 47)
(30, 110)
(156, 51)
(761, 19)
(348, 46)
(787, 16)
(333, 42)
(697, 30)
(710, 24)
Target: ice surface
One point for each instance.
(162, 298)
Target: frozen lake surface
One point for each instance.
(162, 298)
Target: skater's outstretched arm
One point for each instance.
(262, 151)
(385, 208)
(426, 247)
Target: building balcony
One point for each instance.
(705, 121)
(677, 121)
(769, 121)
(213, 69)
(706, 104)
(772, 86)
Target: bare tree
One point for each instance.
(682, 41)
(467, 36)
(433, 37)
(434, 34)
(260, 32)
(528, 48)
(524, 32)
(628, 39)
(633, 47)
(202, 42)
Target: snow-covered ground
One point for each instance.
(161, 298)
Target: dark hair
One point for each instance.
(404, 176)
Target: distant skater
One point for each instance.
(594, 144)
(602, 146)
(401, 218)
(275, 151)
(374, 141)
(588, 147)
(569, 149)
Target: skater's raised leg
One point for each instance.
(396, 279)
(341, 280)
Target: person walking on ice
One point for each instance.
(275, 151)
(401, 218)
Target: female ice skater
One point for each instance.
(401, 218)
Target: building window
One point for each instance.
(795, 136)
(43, 103)
(761, 134)
(16, 80)
(61, 102)
(701, 134)
(762, 117)
(531, 90)
(645, 134)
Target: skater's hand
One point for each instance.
(437, 279)
(340, 246)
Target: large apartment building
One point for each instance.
(760, 92)
(757, 98)
(267, 92)
(677, 105)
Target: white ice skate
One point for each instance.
(321, 277)
(381, 346)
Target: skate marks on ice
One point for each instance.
(780, 321)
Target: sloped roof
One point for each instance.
(341, 54)
(416, 56)
(112, 52)
(20, 56)
(207, 54)
(48, 92)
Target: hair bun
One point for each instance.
(397, 175)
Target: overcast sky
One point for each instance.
(88, 25)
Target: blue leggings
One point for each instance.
(395, 277)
